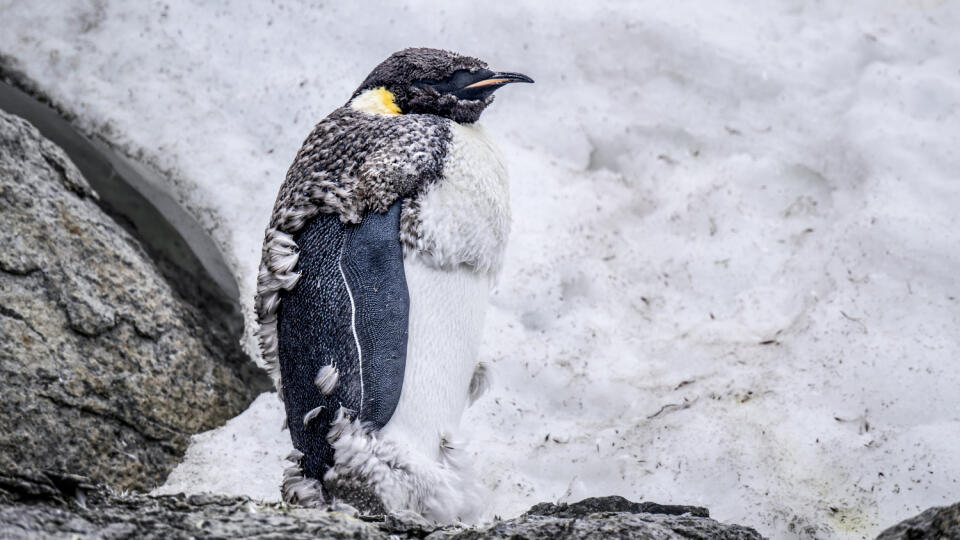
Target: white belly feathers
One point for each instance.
(464, 218)
(446, 324)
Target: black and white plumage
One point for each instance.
(377, 261)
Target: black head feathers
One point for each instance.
(439, 82)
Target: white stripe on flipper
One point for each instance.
(353, 322)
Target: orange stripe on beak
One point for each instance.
(487, 82)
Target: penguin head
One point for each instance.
(432, 81)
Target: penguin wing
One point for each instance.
(342, 330)
(372, 268)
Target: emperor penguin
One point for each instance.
(384, 240)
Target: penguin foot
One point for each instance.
(350, 491)
(344, 508)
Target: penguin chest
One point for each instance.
(463, 223)
(464, 218)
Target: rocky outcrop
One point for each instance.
(610, 517)
(105, 369)
(37, 506)
(938, 523)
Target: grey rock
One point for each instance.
(593, 505)
(608, 517)
(938, 523)
(106, 371)
(103, 514)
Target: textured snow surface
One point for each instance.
(733, 274)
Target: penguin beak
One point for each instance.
(500, 79)
(485, 82)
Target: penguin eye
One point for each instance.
(426, 82)
(462, 78)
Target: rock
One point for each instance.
(938, 523)
(608, 517)
(102, 514)
(99, 513)
(594, 505)
(106, 371)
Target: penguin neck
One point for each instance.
(376, 101)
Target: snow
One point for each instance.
(732, 279)
(245, 456)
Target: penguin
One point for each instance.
(385, 238)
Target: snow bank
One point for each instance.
(732, 279)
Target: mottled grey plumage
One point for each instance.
(354, 162)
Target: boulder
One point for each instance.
(70, 507)
(938, 523)
(609, 517)
(106, 370)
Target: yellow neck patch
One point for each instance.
(377, 101)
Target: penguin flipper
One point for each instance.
(372, 267)
(342, 331)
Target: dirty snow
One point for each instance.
(733, 274)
